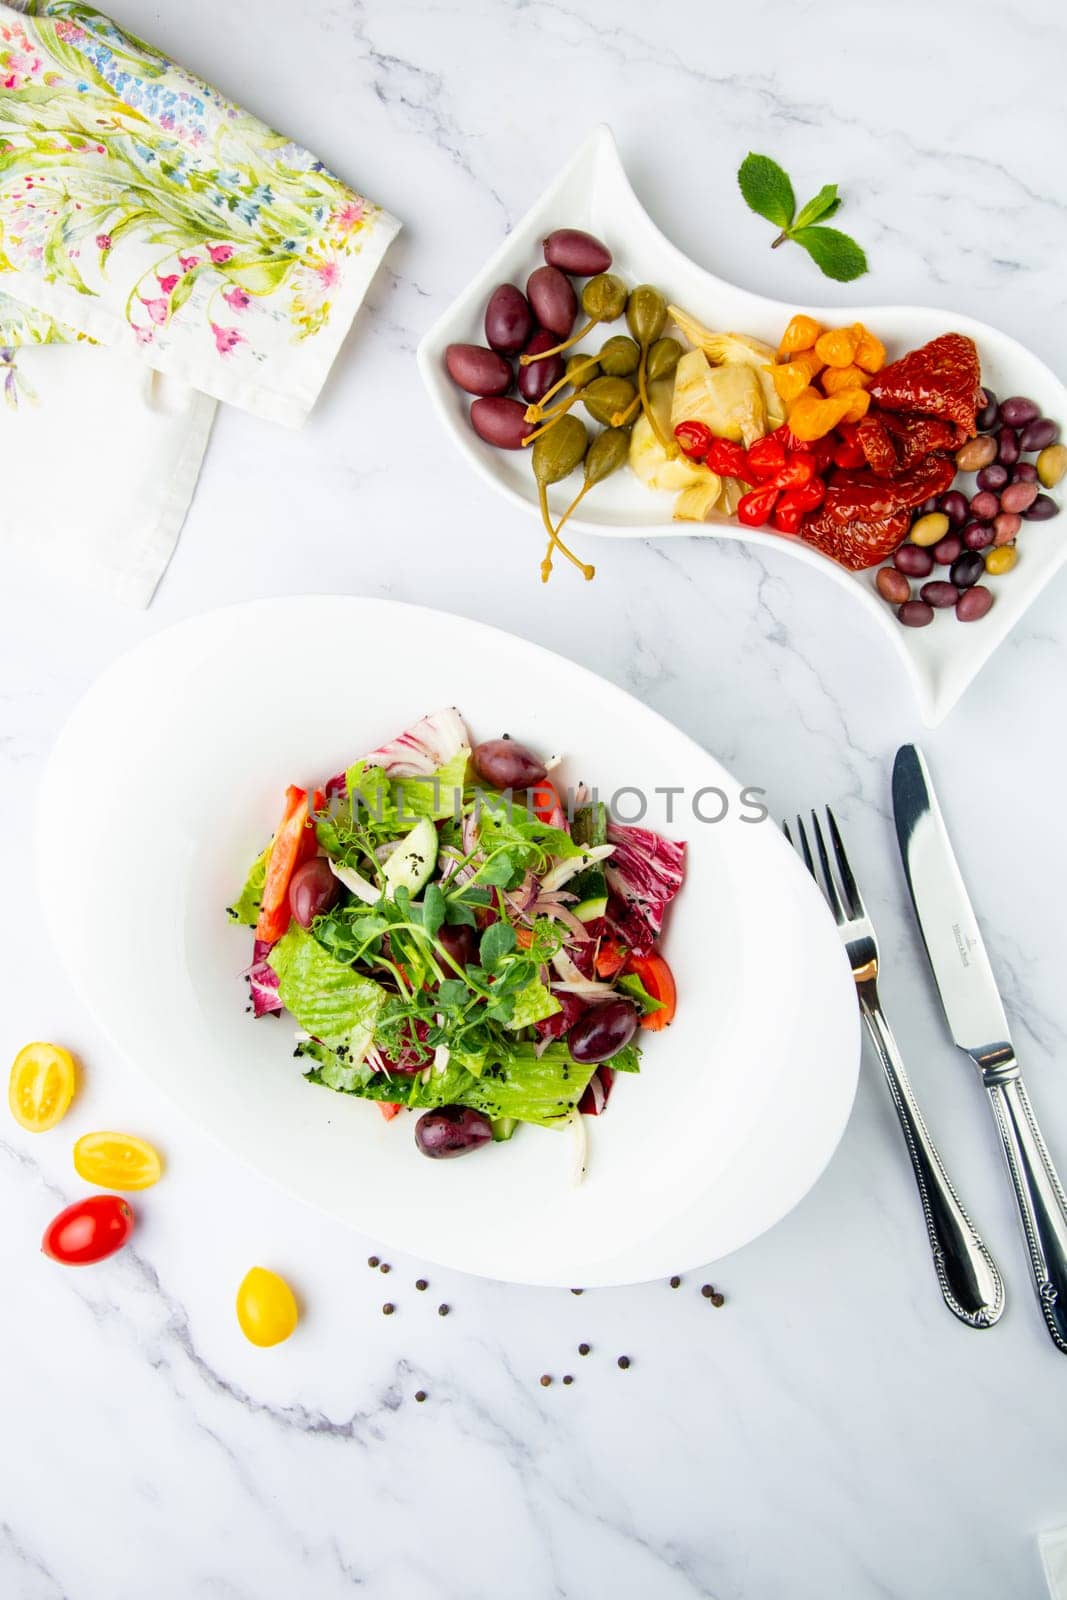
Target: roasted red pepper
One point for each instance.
(799, 469)
(765, 459)
(810, 495)
(787, 514)
(695, 439)
(728, 459)
(754, 509)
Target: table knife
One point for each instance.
(977, 1023)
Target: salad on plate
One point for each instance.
(455, 937)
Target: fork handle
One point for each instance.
(970, 1282)
(1039, 1194)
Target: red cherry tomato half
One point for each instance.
(89, 1230)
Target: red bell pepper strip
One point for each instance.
(388, 1109)
(546, 804)
(658, 980)
(728, 459)
(694, 438)
(754, 508)
(293, 844)
(765, 459)
(610, 958)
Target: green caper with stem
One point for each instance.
(581, 368)
(663, 356)
(607, 453)
(604, 299)
(555, 455)
(646, 317)
(619, 356)
(605, 397)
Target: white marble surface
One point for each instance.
(831, 1430)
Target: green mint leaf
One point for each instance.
(767, 189)
(834, 253)
(497, 941)
(825, 203)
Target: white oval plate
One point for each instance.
(593, 192)
(175, 764)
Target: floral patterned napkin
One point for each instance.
(141, 209)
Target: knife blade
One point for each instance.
(976, 1020)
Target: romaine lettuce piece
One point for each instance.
(245, 908)
(332, 1001)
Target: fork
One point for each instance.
(970, 1282)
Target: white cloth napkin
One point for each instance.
(158, 246)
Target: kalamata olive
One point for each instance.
(913, 561)
(892, 585)
(312, 890)
(985, 505)
(1007, 446)
(1006, 527)
(947, 549)
(993, 477)
(1018, 410)
(939, 594)
(977, 535)
(501, 422)
(554, 302)
(461, 943)
(478, 370)
(536, 379)
(505, 764)
(988, 412)
(508, 320)
(967, 569)
(451, 1131)
(974, 603)
(1037, 435)
(976, 453)
(916, 614)
(927, 506)
(1023, 472)
(1041, 509)
(571, 250)
(928, 529)
(603, 1031)
(954, 505)
(1018, 496)
(1051, 465)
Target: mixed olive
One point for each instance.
(974, 536)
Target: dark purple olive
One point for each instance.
(939, 595)
(461, 942)
(988, 412)
(504, 764)
(927, 507)
(977, 535)
(974, 603)
(1043, 508)
(1024, 472)
(915, 614)
(954, 505)
(508, 320)
(913, 561)
(994, 477)
(501, 422)
(1007, 446)
(451, 1131)
(967, 569)
(312, 890)
(574, 251)
(536, 379)
(1039, 435)
(554, 302)
(478, 370)
(984, 505)
(1018, 410)
(947, 549)
(603, 1031)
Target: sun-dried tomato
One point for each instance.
(942, 379)
(860, 496)
(855, 545)
(892, 442)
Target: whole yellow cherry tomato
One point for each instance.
(266, 1307)
(41, 1086)
(117, 1161)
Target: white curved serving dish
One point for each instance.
(176, 762)
(593, 192)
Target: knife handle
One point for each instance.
(970, 1283)
(1040, 1197)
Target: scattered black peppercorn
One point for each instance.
(420, 1395)
(718, 1299)
(676, 1282)
(567, 1378)
(545, 1380)
(442, 1311)
(624, 1362)
(583, 1349)
(577, 1291)
(388, 1309)
(420, 1284)
(385, 1267)
(372, 1261)
(707, 1291)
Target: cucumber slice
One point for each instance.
(503, 1128)
(590, 825)
(412, 862)
(590, 910)
(591, 887)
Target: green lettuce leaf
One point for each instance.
(438, 795)
(245, 908)
(532, 1004)
(329, 999)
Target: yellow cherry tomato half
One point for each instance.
(266, 1307)
(41, 1086)
(117, 1161)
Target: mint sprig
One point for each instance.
(768, 191)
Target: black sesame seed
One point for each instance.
(583, 1349)
(624, 1362)
(420, 1284)
(545, 1380)
(442, 1311)
(372, 1261)
(420, 1395)
(676, 1282)
(388, 1309)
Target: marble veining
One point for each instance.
(831, 1429)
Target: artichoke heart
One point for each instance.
(727, 399)
(735, 349)
(699, 486)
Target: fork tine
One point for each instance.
(829, 881)
(805, 849)
(856, 908)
